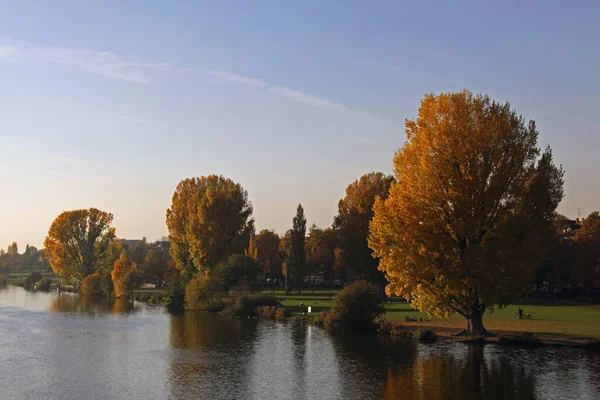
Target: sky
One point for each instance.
(110, 104)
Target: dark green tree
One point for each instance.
(238, 270)
(355, 212)
(296, 263)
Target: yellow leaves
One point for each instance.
(450, 223)
(209, 219)
(77, 242)
(122, 276)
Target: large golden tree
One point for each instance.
(210, 219)
(472, 209)
(77, 242)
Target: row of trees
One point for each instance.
(574, 259)
(210, 219)
(460, 227)
(31, 259)
(82, 244)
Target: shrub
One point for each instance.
(322, 319)
(3, 280)
(92, 284)
(175, 298)
(355, 308)
(106, 285)
(272, 312)
(44, 284)
(32, 278)
(203, 294)
(394, 328)
(246, 306)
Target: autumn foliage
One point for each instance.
(209, 220)
(78, 241)
(123, 276)
(92, 284)
(473, 206)
(204, 294)
(267, 253)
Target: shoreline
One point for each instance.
(504, 338)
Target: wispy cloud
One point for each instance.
(142, 72)
(316, 101)
(296, 95)
(141, 121)
(308, 98)
(229, 77)
(95, 62)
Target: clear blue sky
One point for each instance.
(110, 105)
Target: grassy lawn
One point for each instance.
(550, 319)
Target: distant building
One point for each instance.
(570, 227)
(160, 245)
(130, 242)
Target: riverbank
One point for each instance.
(552, 322)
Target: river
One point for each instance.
(66, 346)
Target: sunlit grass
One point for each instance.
(550, 319)
(564, 319)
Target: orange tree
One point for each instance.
(472, 209)
(78, 242)
(210, 218)
(123, 275)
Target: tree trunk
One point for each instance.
(475, 325)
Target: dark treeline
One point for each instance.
(572, 266)
(31, 259)
(569, 270)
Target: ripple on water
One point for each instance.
(70, 347)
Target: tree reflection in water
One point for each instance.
(210, 355)
(466, 373)
(90, 305)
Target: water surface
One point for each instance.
(66, 346)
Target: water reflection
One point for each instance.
(210, 355)
(459, 373)
(70, 347)
(365, 360)
(90, 305)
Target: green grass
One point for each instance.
(550, 319)
(564, 320)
